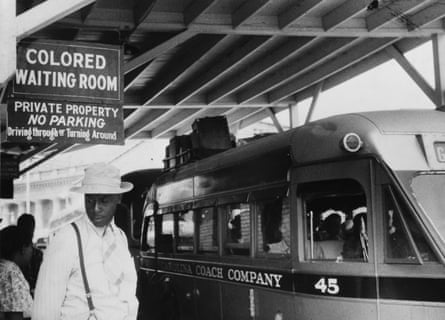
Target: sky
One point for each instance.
(386, 87)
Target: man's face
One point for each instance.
(100, 208)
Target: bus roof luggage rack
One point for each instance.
(177, 152)
(211, 133)
(210, 136)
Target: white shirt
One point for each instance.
(60, 292)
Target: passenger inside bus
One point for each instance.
(335, 215)
(275, 231)
(356, 239)
(398, 244)
(237, 240)
(405, 241)
(280, 246)
(234, 226)
(330, 244)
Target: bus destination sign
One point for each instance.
(439, 147)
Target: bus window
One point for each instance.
(164, 240)
(428, 190)
(336, 220)
(237, 217)
(150, 235)
(186, 230)
(207, 230)
(149, 229)
(404, 241)
(273, 236)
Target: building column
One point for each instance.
(38, 214)
(22, 208)
(7, 41)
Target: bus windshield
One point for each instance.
(429, 191)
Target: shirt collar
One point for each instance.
(101, 231)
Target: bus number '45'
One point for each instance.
(329, 285)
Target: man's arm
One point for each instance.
(54, 273)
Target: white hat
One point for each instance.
(330, 212)
(358, 211)
(102, 178)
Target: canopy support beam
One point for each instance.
(45, 14)
(439, 68)
(317, 90)
(275, 121)
(412, 72)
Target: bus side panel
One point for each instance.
(235, 302)
(208, 301)
(157, 297)
(272, 305)
(184, 291)
(392, 310)
(322, 308)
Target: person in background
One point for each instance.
(279, 246)
(15, 253)
(26, 225)
(234, 226)
(274, 228)
(110, 271)
(356, 239)
(331, 244)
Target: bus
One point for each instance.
(341, 218)
(128, 213)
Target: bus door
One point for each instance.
(165, 287)
(335, 274)
(207, 286)
(411, 276)
(178, 228)
(192, 279)
(177, 280)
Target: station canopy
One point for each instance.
(245, 59)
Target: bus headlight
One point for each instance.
(352, 142)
